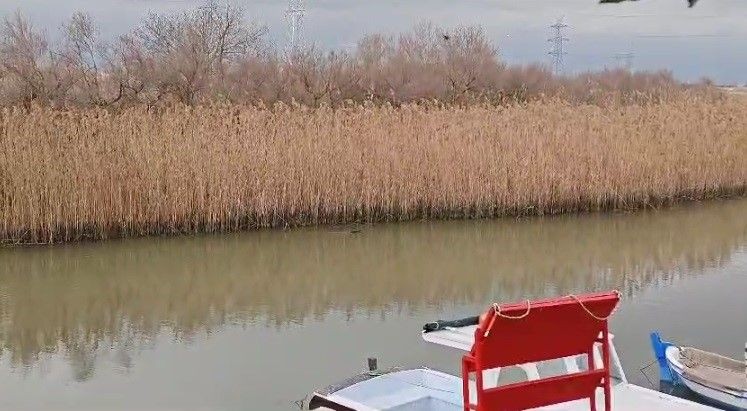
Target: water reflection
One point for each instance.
(119, 295)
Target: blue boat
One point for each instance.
(717, 379)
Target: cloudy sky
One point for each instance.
(707, 40)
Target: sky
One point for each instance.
(709, 40)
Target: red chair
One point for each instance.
(514, 334)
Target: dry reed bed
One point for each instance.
(68, 175)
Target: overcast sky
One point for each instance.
(707, 40)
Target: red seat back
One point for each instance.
(542, 330)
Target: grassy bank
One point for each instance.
(69, 175)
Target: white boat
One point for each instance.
(551, 383)
(714, 377)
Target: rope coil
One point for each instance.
(498, 313)
(497, 309)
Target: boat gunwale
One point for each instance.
(678, 367)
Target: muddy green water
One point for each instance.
(255, 321)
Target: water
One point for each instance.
(255, 321)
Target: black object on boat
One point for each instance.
(441, 324)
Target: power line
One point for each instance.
(656, 15)
(558, 51)
(677, 36)
(295, 14)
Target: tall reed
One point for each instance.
(70, 175)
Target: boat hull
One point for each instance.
(723, 398)
(424, 389)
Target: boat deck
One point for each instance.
(425, 389)
(535, 364)
(627, 396)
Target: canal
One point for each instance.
(257, 320)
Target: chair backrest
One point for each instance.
(528, 332)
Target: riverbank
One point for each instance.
(94, 174)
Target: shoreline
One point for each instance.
(356, 226)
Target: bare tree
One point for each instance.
(405, 68)
(256, 79)
(373, 57)
(28, 62)
(91, 62)
(191, 49)
(131, 68)
(471, 62)
(318, 77)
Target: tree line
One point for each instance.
(214, 52)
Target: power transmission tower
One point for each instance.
(625, 60)
(295, 14)
(558, 51)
